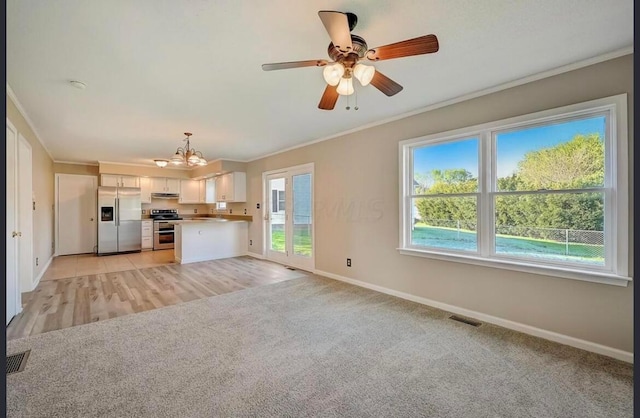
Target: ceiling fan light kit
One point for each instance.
(364, 73)
(333, 73)
(347, 49)
(345, 87)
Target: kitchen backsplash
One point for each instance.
(184, 209)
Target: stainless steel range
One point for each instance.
(163, 234)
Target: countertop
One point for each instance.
(205, 220)
(207, 217)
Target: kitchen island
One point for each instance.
(205, 239)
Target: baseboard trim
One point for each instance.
(516, 326)
(36, 280)
(255, 255)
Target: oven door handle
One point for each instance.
(163, 232)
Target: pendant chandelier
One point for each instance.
(185, 155)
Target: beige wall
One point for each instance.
(42, 188)
(356, 215)
(136, 170)
(81, 169)
(217, 167)
(210, 170)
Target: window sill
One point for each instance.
(565, 273)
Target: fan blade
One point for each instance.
(329, 98)
(417, 46)
(294, 64)
(385, 84)
(337, 25)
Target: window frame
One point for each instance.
(615, 191)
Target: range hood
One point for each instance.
(165, 195)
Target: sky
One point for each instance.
(511, 147)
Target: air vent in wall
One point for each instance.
(467, 321)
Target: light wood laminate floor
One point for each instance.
(77, 290)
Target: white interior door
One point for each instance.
(12, 250)
(76, 213)
(25, 214)
(289, 228)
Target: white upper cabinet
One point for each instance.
(173, 185)
(109, 180)
(129, 181)
(220, 188)
(116, 180)
(145, 190)
(202, 191)
(189, 191)
(210, 190)
(165, 185)
(231, 187)
(158, 185)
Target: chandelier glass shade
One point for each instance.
(185, 155)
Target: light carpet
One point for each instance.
(309, 347)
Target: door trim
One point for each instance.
(288, 172)
(26, 198)
(15, 261)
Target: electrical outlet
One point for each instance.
(245, 211)
(257, 205)
(230, 211)
(250, 242)
(36, 261)
(348, 262)
(211, 210)
(195, 211)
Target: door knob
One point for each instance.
(14, 234)
(19, 234)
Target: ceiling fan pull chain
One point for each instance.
(348, 107)
(356, 106)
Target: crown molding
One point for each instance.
(504, 86)
(168, 167)
(26, 117)
(75, 163)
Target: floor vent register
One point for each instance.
(17, 362)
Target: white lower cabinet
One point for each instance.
(147, 235)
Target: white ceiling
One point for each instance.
(157, 68)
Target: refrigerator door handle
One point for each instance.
(117, 214)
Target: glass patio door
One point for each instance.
(276, 218)
(289, 217)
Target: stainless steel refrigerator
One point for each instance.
(119, 220)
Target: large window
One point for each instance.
(545, 193)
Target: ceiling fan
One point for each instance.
(346, 50)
